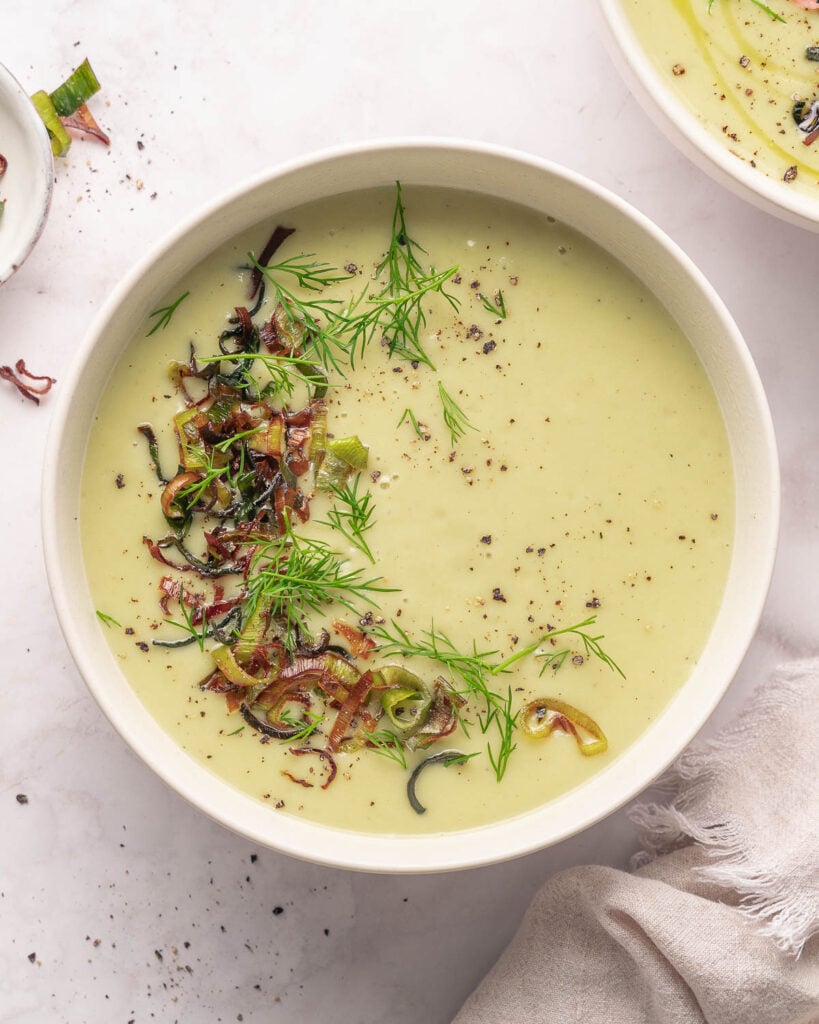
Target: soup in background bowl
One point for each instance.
(735, 85)
(570, 481)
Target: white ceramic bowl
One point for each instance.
(27, 184)
(612, 224)
(690, 135)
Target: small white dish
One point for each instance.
(545, 188)
(691, 135)
(27, 183)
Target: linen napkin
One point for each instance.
(719, 922)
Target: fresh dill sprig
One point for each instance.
(164, 313)
(388, 744)
(409, 415)
(107, 620)
(339, 332)
(200, 634)
(471, 669)
(455, 418)
(397, 317)
(506, 720)
(285, 372)
(352, 516)
(591, 645)
(496, 306)
(400, 261)
(460, 759)
(406, 276)
(474, 669)
(762, 6)
(237, 731)
(294, 575)
(311, 274)
(307, 315)
(308, 723)
(437, 646)
(213, 468)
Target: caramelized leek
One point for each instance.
(226, 661)
(446, 757)
(541, 717)
(406, 701)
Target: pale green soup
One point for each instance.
(593, 477)
(741, 72)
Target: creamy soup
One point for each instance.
(750, 79)
(565, 460)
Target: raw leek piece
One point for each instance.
(60, 139)
(77, 89)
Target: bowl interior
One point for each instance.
(614, 226)
(690, 135)
(27, 183)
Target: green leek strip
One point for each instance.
(192, 451)
(60, 139)
(252, 633)
(318, 434)
(406, 700)
(446, 758)
(406, 709)
(541, 717)
(349, 450)
(77, 89)
(268, 441)
(232, 670)
(342, 457)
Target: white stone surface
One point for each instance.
(132, 906)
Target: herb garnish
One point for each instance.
(408, 414)
(406, 277)
(352, 517)
(292, 575)
(475, 668)
(591, 645)
(306, 725)
(200, 633)
(762, 6)
(165, 313)
(388, 744)
(496, 307)
(107, 620)
(455, 418)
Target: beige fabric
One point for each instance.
(715, 931)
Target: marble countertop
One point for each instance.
(118, 902)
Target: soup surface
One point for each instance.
(562, 463)
(752, 80)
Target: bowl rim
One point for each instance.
(689, 135)
(40, 186)
(387, 853)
